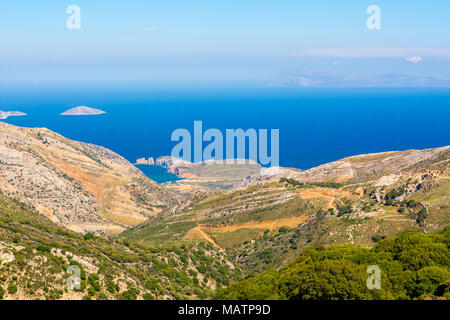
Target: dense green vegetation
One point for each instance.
(322, 184)
(413, 266)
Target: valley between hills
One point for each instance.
(65, 203)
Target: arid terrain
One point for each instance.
(66, 203)
(81, 186)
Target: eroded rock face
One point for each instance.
(82, 186)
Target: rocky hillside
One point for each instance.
(267, 221)
(37, 256)
(81, 186)
(377, 168)
(164, 245)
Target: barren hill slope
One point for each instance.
(82, 186)
(362, 168)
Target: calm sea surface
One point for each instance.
(316, 125)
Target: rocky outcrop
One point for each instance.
(173, 163)
(181, 173)
(149, 161)
(82, 186)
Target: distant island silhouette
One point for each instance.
(82, 111)
(6, 114)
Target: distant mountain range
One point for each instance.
(305, 79)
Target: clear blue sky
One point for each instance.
(233, 40)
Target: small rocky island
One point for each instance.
(82, 111)
(6, 114)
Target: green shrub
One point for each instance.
(266, 255)
(283, 230)
(378, 238)
(102, 296)
(148, 296)
(111, 286)
(89, 236)
(427, 281)
(413, 265)
(91, 291)
(93, 280)
(43, 248)
(12, 288)
(130, 294)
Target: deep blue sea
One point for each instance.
(158, 173)
(316, 125)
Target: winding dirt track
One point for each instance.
(329, 195)
(202, 231)
(198, 233)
